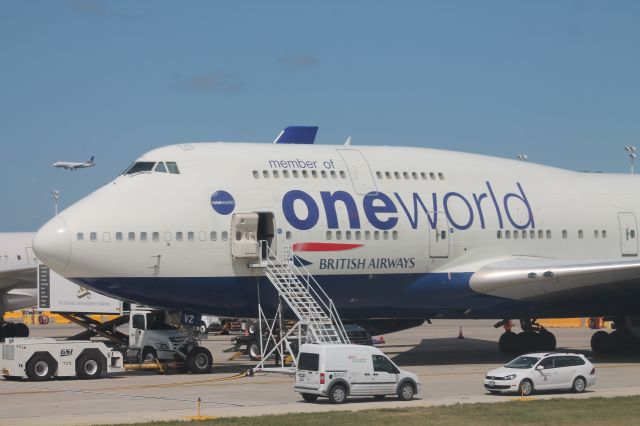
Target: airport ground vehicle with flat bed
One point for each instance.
(43, 358)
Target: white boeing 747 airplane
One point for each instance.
(394, 235)
(17, 279)
(73, 166)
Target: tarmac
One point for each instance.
(451, 371)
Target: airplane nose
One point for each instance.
(52, 244)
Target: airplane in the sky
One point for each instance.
(394, 236)
(17, 279)
(73, 166)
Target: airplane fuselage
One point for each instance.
(388, 232)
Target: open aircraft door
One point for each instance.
(439, 237)
(628, 234)
(359, 171)
(247, 230)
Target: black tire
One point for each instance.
(547, 341)
(406, 391)
(9, 329)
(579, 384)
(600, 342)
(379, 397)
(88, 367)
(202, 328)
(253, 349)
(309, 397)
(525, 388)
(338, 394)
(40, 367)
(20, 330)
(507, 342)
(252, 328)
(199, 360)
(148, 355)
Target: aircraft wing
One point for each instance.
(543, 279)
(23, 277)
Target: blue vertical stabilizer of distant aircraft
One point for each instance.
(297, 135)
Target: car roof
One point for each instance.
(545, 354)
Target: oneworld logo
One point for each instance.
(223, 202)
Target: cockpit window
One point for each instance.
(161, 168)
(140, 166)
(173, 168)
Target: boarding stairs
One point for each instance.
(318, 319)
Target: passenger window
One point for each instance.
(443, 235)
(276, 174)
(338, 235)
(395, 235)
(143, 237)
(329, 235)
(388, 175)
(576, 360)
(285, 173)
(173, 168)
(265, 174)
(225, 236)
(93, 236)
(106, 237)
(347, 235)
(396, 175)
(308, 361)
(499, 234)
(132, 236)
(323, 173)
(287, 235)
(432, 175)
(414, 175)
(423, 175)
(202, 236)
(155, 236)
(190, 236)
(367, 235)
(564, 361)
(376, 235)
(564, 233)
(178, 236)
(547, 363)
(382, 364)
(548, 234)
(540, 234)
(80, 236)
(295, 173)
(160, 168)
(358, 235)
(532, 234)
(333, 174)
(256, 175)
(118, 236)
(379, 175)
(213, 236)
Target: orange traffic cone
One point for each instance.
(460, 336)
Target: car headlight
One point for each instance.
(161, 346)
(510, 377)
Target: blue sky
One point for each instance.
(557, 80)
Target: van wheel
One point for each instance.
(88, 367)
(309, 397)
(148, 355)
(406, 392)
(39, 368)
(338, 394)
(380, 397)
(199, 360)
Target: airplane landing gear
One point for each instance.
(533, 337)
(624, 339)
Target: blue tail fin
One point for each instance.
(298, 135)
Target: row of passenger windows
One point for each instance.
(266, 174)
(359, 235)
(155, 236)
(6, 257)
(151, 166)
(541, 234)
(410, 175)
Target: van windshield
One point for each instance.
(308, 361)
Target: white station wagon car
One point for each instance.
(542, 371)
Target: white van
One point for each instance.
(338, 371)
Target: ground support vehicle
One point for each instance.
(542, 371)
(338, 371)
(44, 358)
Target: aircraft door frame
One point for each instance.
(439, 237)
(359, 171)
(628, 234)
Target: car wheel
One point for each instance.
(579, 385)
(309, 397)
(338, 394)
(88, 367)
(525, 388)
(406, 392)
(39, 368)
(202, 328)
(380, 397)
